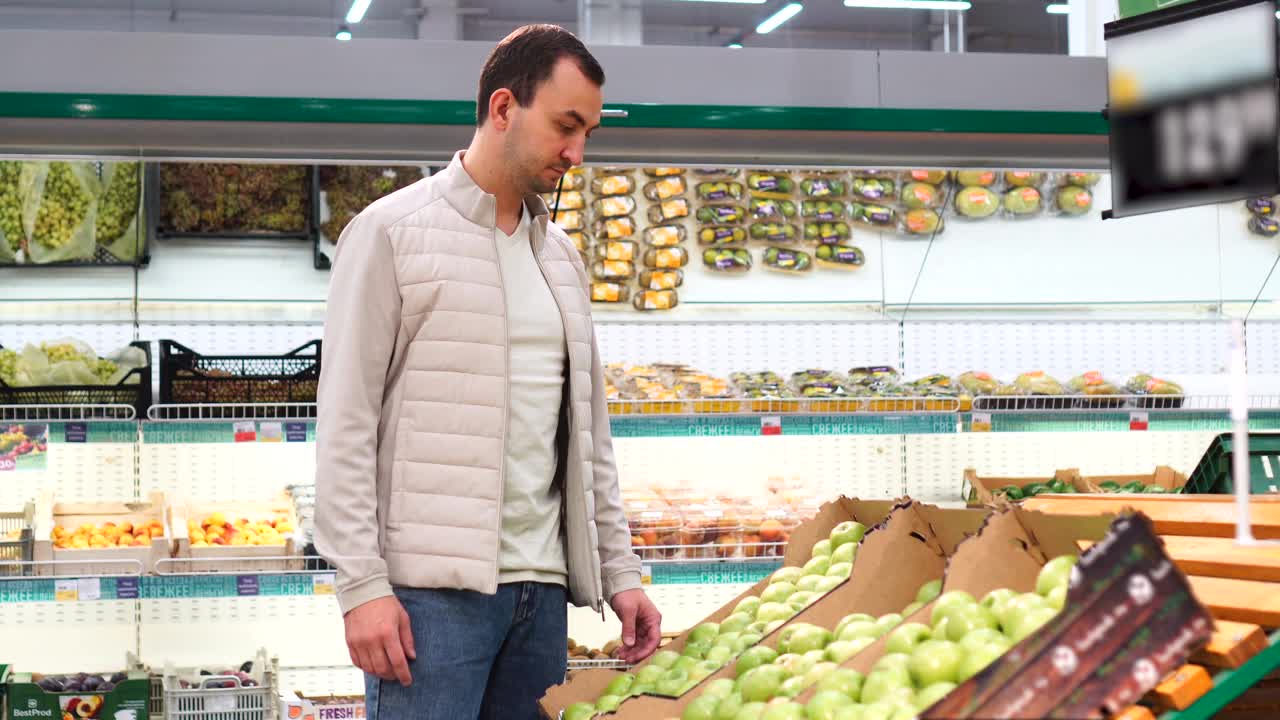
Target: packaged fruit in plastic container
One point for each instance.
(976, 202)
(570, 200)
(719, 190)
(575, 179)
(765, 532)
(772, 182)
(663, 171)
(721, 214)
(823, 186)
(923, 222)
(843, 257)
(1023, 202)
(613, 184)
(773, 231)
(655, 530)
(787, 260)
(661, 279)
(1023, 178)
(824, 210)
(976, 382)
(930, 177)
(668, 210)
(666, 258)
(655, 300)
(664, 235)
(612, 207)
(711, 531)
(721, 235)
(977, 178)
(616, 250)
(881, 216)
(569, 220)
(1073, 200)
(875, 189)
(873, 376)
(1094, 385)
(727, 259)
(609, 292)
(1264, 226)
(917, 195)
(612, 270)
(1154, 392)
(1264, 206)
(614, 228)
(767, 208)
(665, 188)
(828, 233)
(1079, 179)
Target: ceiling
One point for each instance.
(991, 25)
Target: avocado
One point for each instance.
(1013, 492)
(977, 202)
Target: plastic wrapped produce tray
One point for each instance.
(134, 390)
(155, 197)
(187, 377)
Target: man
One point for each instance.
(465, 483)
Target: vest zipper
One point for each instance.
(506, 409)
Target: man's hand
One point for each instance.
(379, 639)
(641, 625)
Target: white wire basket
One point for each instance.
(222, 697)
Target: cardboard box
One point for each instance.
(126, 701)
(50, 514)
(235, 558)
(1166, 477)
(906, 548)
(336, 708)
(981, 491)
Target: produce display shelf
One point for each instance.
(1230, 684)
(216, 412)
(67, 413)
(602, 664)
(708, 572)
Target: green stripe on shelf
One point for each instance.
(634, 426)
(97, 432)
(1067, 421)
(711, 572)
(162, 587)
(197, 433)
(103, 106)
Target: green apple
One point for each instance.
(791, 687)
(904, 710)
(838, 651)
(786, 574)
(1057, 597)
(1030, 622)
(911, 609)
(1055, 573)
(878, 711)
(737, 622)
(860, 644)
(649, 674)
(696, 649)
(702, 708)
(663, 659)
(721, 688)
(752, 658)
(800, 600)
(580, 711)
(726, 639)
(746, 640)
(824, 704)
(641, 689)
(751, 711)
(940, 627)
(888, 621)
(852, 712)
(818, 656)
(947, 601)
(1016, 607)
(822, 548)
(818, 672)
(720, 654)
(844, 553)
(963, 619)
(776, 593)
(929, 592)
(729, 707)
(775, 624)
(818, 565)
(620, 685)
(844, 680)
(927, 697)
(978, 657)
(608, 703)
(997, 598)
(935, 661)
(808, 583)
(883, 685)
(705, 631)
(748, 605)
(981, 636)
(803, 637)
(757, 627)
(761, 683)
(895, 662)
(796, 664)
(840, 570)
(904, 638)
(704, 670)
(851, 618)
(771, 611)
(860, 629)
(783, 711)
(849, 531)
(672, 682)
(827, 583)
(686, 663)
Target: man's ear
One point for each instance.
(501, 103)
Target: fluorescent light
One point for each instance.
(357, 11)
(772, 22)
(343, 34)
(910, 4)
(735, 46)
(1058, 9)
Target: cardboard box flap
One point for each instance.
(1163, 476)
(981, 489)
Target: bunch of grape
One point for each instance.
(105, 369)
(119, 204)
(64, 206)
(10, 203)
(8, 366)
(61, 353)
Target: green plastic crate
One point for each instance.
(1213, 473)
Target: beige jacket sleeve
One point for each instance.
(362, 319)
(619, 564)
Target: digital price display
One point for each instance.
(1193, 105)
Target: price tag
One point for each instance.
(271, 432)
(89, 588)
(322, 584)
(246, 585)
(127, 588)
(771, 425)
(66, 590)
(646, 574)
(1138, 421)
(981, 422)
(219, 702)
(76, 432)
(245, 431)
(8, 464)
(295, 432)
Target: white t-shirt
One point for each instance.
(532, 543)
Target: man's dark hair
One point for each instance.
(524, 60)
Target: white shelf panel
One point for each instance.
(322, 681)
(209, 471)
(77, 472)
(68, 637)
(103, 336)
(233, 270)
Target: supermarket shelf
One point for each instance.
(603, 664)
(66, 413)
(1230, 684)
(708, 572)
(231, 412)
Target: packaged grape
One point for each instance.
(977, 178)
(922, 222)
(569, 220)
(12, 236)
(1072, 200)
(613, 185)
(1023, 178)
(655, 300)
(719, 190)
(614, 228)
(881, 216)
(977, 383)
(663, 171)
(119, 224)
(770, 182)
(664, 235)
(844, 257)
(824, 210)
(614, 206)
(575, 179)
(1078, 179)
(1154, 392)
(929, 177)
(1264, 226)
(920, 196)
(976, 203)
(872, 376)
(669, 210)
(1264, 206)
(665, 188)
(666, 258)
(661, 279)
(612, 270)
(721, 235)
(579, 241)
(721, 214)
(875, 189)
(787, 260)
(827, 233)
(616, 250)
(823, 186)
(59, 211)
(571, 200)
(1023, 202)
(766, 208)
(1098, 392)
(1045, 392)
(609, 292)
(773, 231)
(727, 259)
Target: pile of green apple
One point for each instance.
(710, 646)
(921, 665)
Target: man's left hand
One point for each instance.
(641, 625)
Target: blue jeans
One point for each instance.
(485, 657)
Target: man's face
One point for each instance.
(549, 136)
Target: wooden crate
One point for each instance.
(230, 557)
(93, 561)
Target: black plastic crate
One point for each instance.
(187, 377)
(157, 230)
(133, 390)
